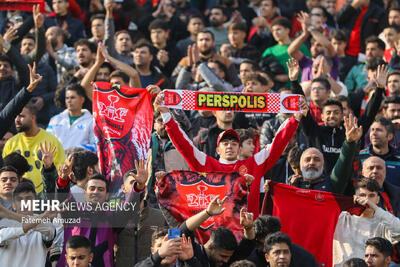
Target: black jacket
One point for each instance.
(371, 23)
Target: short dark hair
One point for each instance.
(257, 77)
(158, 24)
(223, 238)
(9, 168)
(4, 58)
(76, 87)
(97, 16)
(245, 134)
(294, 155)
(251, 62)
(284, 22)
(121, 74)
(159, 233)
(367, 183)
(243, 263)
(322, 80)
(375, 39)
(396, 8)
(274, 2)
(207, 32)
(394, 27)
(31, 107)
(381, 244)
(223, 9)
(386, 123)
(85, 42)
(240, 26)
(391, 73)
(342, 98)
(324, 11)
(373, 63)
(143, 43)
(18, 162)
(23, 187)
(391, 100)
(120, 32)
(221, 65)
(276, 238)
(78, 241)
(339, 35)
(266, 225)
(83, 160)
(332, 102)
(100, 177)
(355, 262)
(108, 66)
(29, 36)
(196, 16)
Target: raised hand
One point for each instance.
(293, 68)
(35, 78)
(11, 34)
(108, 5)
(216, 206)
(158, 101)
(322, 68)
(246, 219)
(100, 58)
(380, 77)
(38, 17)
(353, 132)
(65, 170)
(249, 178)
(305, 20)
(47, 154)
(141, 174)
(170, 247)
(303, 107)
(187, 249)
(153, 89)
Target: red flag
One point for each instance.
(123, 122)
(22, 5)
(309, 217)
(184, 194)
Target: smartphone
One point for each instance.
(174, 233)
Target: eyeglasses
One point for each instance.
(317, 88)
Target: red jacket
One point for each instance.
(257, 165)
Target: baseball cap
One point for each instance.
(228, 133)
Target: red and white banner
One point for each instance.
(246, 102)
(185, 193)
(123, 123)
(23, 5)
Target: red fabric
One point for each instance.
(74, 9)
(309, 217)
(23, 5)
(257, 165)
(388, 54)
(123, 122)
(184, 194)
(354, 44)
(316, 112)
(62, 183)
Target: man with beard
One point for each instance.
(391, 111)
(378, 252)
(393, 83)
(312, 164)
(85, 56)
(59, 56)
(28, 141)
(266, 226)
(217, 19)
(206, 44)
(381, 133)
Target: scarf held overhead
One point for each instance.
(24, 5)
(247, 102)
(123, 122)
(185, 193)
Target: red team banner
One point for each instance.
(244, 102)
(23, 5)
(185, 193)
(309, 217)
(123, 123)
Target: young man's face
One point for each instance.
(220, 256)
(391, 36)
(142, 56)
(5, 70)
(319, 92)
(123, 43)
(279, 255)
(159, 127)
(267, 9)
(158, 36)
(373, 50)
(84, 55)
(78, 257)
(339, 46)
(214, 66)
(393, 84)
(27, 45)
(364, 192)
(24, 120)
(236, 38)
(255, 86)
(73, 101)
(394, 17)
(247, 148)
(245, 70)
(103, 75)
(195, 26)
(228, 149)
(60, 7)
(17, 202)
(8, 182)
(392, 111)
(205, 43)
(217, 17)
(317, 49)
(96, 191)
(128, 184)
(98, 28)
(332, 116)
(374, 258)
(280, 33)
(379, 136)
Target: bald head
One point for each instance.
(375, 168)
